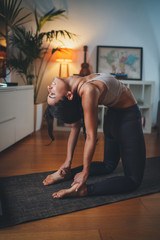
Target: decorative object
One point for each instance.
(34, 201)
(85, 66)
(64, 57)
(123, 62)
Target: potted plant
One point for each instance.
(32, 51)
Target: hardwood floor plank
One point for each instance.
(152, 204)
(132, 228)
(57, 235)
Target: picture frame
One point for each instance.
(122, 62)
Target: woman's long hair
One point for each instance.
(68, 111)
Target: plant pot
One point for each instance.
(158, 117)
(39, 110)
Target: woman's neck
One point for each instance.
(73, 83)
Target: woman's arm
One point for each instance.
(72, 140)
(90, 107)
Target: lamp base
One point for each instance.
(64, 70)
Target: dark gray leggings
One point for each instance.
(123, 138)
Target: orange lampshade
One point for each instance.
(64, 55)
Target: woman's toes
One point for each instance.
(60, 194)
(45, 182)
(56, 195)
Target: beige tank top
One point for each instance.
(113, 85)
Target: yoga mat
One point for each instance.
(24, 198)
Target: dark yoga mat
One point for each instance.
(24, 198)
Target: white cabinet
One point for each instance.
(143, 92)
(16, 114)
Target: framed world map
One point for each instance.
(123, 62)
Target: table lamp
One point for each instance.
(64, 57)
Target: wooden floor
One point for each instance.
(131, 219)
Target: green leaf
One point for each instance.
(55, 49)
(36, 18)
(50, 16)
(11, 10)
(19, 21)
(17, 9)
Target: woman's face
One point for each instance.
(57, 90)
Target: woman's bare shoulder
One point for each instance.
(90, 97)
(89, 89)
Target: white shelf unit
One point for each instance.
(143, 92)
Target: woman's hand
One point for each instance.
(65, 169)
(80, 178)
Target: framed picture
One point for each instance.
(123, 62)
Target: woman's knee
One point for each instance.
(135, 182)
(110, 166)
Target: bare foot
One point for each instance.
(56, 177)
(71, 192)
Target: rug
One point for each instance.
(24, 198)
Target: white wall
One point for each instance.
(108, 22)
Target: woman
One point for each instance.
(123, 135)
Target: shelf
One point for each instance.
(144, 106)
